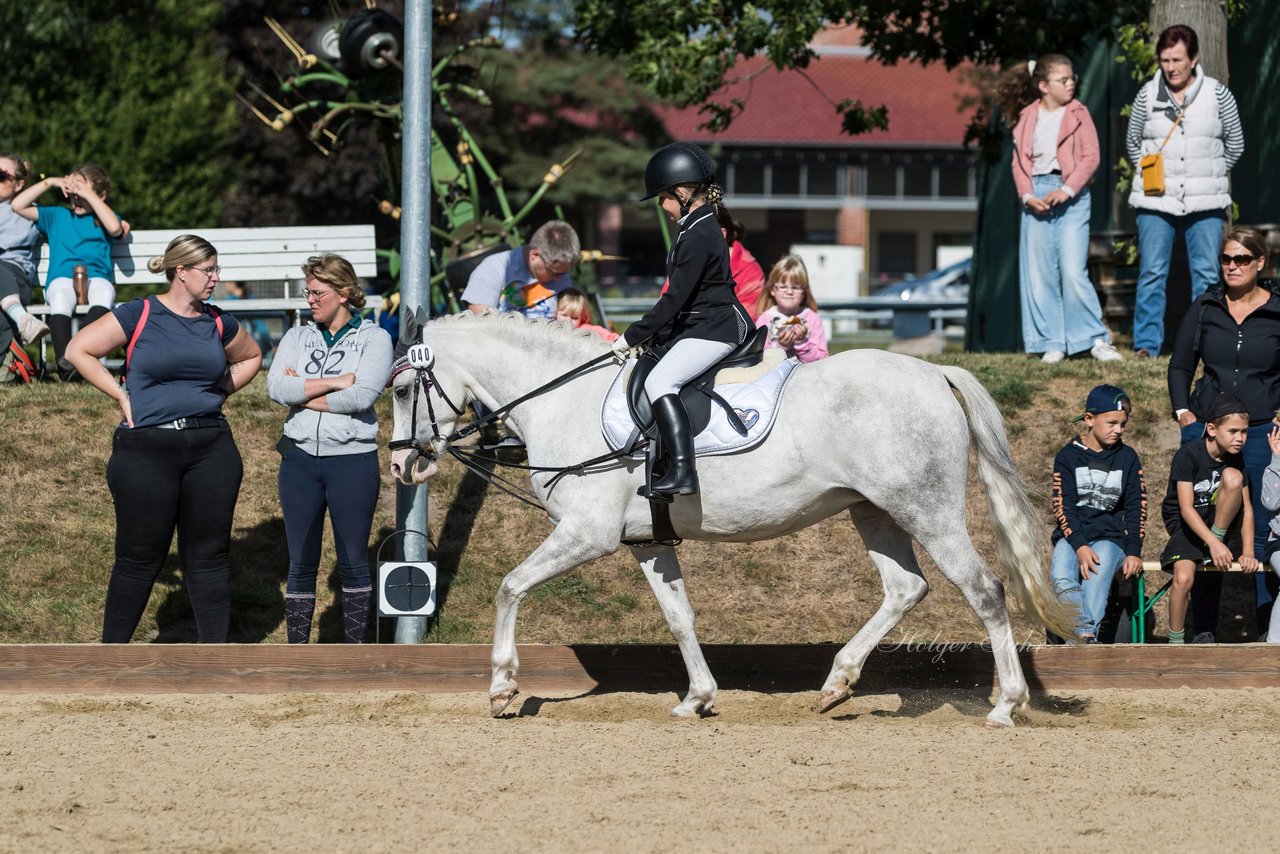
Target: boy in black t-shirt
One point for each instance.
(1208, 497)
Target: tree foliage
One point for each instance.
(683, 50)
(135, 85)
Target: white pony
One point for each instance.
(879, 435)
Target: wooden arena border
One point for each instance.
(448, 668)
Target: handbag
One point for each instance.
(1152, 165)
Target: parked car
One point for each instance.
(947, 282)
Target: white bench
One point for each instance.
(251, 255)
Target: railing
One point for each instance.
(909, 318)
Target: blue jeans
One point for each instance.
(1156, 232)
(1060, 308)
(345, 485)
(1088, 597)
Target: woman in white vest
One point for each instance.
(1192, 121)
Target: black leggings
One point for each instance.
(161, 479)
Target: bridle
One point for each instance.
(421, 360)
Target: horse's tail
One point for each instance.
(1021, 539)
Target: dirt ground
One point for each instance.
(1150, 770)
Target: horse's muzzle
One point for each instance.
(411, 467)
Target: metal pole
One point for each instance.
(415, 237)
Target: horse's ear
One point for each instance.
(421, 317)
(411, 333)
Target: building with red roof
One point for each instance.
(905, 199)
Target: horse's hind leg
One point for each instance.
(960, 562)
(662, 569)
(904, 586)
(568, 546)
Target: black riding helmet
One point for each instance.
(675, 164)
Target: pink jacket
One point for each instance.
(1078, 150)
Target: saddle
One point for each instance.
(698, 394)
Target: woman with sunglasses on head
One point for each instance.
(173, 461)
(330, 373)
(18, 239)
(1233, 330)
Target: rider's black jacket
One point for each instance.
(699, 301)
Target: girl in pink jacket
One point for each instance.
(1055, 153)
(788, 309)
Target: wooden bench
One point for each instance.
(250, 255)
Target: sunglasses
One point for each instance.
(1238, 260)
(7, 176)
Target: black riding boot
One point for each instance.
(681, 477)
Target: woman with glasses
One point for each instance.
(1055, 155)
(329, 373)
(1192, 122)
(1233, 331)
(790, 313)
(173, 462)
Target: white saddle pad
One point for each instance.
(755, 402)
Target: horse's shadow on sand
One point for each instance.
(971, 703)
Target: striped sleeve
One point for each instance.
(1137, 120)
(1232, 133)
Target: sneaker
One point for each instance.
(1141, 353)
(1052, 357)
(32, 329)
(1204, 637)
(1104, 351)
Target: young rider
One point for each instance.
(698, 320)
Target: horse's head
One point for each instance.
(425, 404)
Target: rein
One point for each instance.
(423, 365)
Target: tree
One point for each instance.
(682, 51)
(132, 84)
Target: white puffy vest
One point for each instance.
(1195, 164)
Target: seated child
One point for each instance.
(1271, 501)
(1208, 497)
(788, 309)
(1100, 501)
(572, 305)
(78, 236)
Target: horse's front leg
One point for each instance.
(662, 569)
(568, 546)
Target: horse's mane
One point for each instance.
(534, 330)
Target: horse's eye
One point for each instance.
(402, 392)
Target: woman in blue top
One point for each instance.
(330, 373)
(173, 461)
(79, 235)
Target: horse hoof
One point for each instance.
(694, 709)
(832, 698)
(999, 721)
(498, 702)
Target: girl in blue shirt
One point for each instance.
(79, 235)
